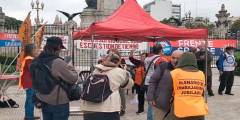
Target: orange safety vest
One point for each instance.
(22, 70)
(139, 75)
(188, 93)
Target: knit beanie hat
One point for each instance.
(187, 59)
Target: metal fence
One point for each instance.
(82, 58)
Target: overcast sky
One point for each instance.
(203, 8)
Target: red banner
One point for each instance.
(214, 43)
(8, 36)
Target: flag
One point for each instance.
(25, 31)
(38, 37)
(24, 34)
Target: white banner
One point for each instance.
(108, 44)
(102, 46)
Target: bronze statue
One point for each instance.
(91, 4)
(69, 16)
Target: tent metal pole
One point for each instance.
(92, 54)
(206, 70)
(72, 44)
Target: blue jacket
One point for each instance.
(221, 59)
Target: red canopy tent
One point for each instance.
(131, 22)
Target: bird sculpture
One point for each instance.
(69, 16)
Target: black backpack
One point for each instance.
(96, 88)
(73, 91)
(42, 80)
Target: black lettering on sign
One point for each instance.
(189, 87)
(191, 92)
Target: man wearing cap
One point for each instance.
(56, 104)
(160, 86)
(227, 66)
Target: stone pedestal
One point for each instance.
(104, 9)
(87, 17)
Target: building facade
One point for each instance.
(161, 9)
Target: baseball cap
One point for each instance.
(55, 41)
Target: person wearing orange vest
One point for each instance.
(138, 79)
(25, 81)
(188, 90)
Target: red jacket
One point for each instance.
(25, 79)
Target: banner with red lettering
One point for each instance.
(108, 44)
(215, 46)
(216, 43)
(9, 40)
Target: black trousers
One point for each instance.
(209, 85)
(141, 90)
(226, 81)
(101, 116)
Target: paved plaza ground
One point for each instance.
(220, 107)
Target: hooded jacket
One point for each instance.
(187, 62)
(117, 76)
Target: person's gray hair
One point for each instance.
(114, 58)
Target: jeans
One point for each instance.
(29, 105)
(150, 109)
(150, 113)
(55, 112)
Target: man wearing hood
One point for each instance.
(160, 86)
(188, 90)
(110, 108)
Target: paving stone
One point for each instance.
(220, 107)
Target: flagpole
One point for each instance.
(206, 65)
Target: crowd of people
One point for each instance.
(174, 88)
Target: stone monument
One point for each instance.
(97, 10)
(223, 23)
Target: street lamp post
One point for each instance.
(188, 19)
(37, 7)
